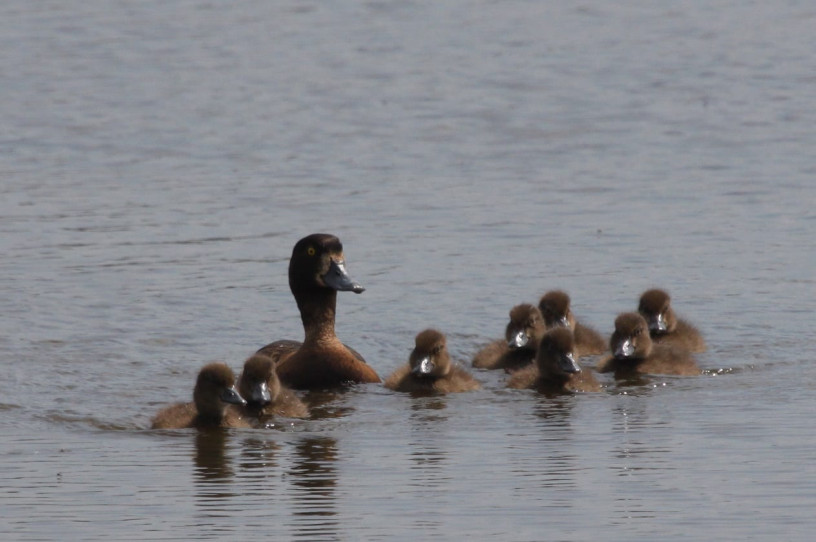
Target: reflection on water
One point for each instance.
(314, 482)
(258, 456)
(211, 463)
(325, 404)
(213, 475)
(429, 447)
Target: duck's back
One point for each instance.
(668, 360)
(177, 416)
(684, 336)
(324, 366)
(289, 405)
(280, 350)
(458, 380)
(588, 341)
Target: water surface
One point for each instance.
(159, 161)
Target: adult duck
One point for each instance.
(317, 271)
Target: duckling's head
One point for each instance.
(555, 308)
(630, 340)
(525, 327)
(655, 306)
(259, 383)
(318, 262)
(556, 353)
(215, 389)
(430, 358)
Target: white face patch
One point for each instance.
(518, 340)
(426, 366)
(661, 322)
(625, 349)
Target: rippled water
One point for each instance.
(159, 160)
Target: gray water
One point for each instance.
(158, 160)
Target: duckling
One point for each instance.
(664, 326)
(213, 392)
(555, 308)
(555, 369)
(633, 351)
(317, 271)
(429, 368)
(518, 348)
(265, 395)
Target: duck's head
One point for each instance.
(215, 389)
(556, 353)
(655, 306)
(318, 262)
(630, 340)
(259, 383)
(525, 327)
(555, 308)
(430, 358)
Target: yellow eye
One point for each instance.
(310, 251)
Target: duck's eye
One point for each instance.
(310, 251)
(637, 332)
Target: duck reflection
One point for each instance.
(554, 462)
(259, 455)
(641, 454)
(327, 403)
(555, 410)
(428, 456)
(314, 477)
(213, 471)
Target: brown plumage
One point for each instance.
(265, 395)
(521, 337)
(556, 311)
(634, 352)
(429, 369)
(664, 325)
(316, 273)
(555, 369)
(213, 393)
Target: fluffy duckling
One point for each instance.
(664, 326)
(633, 351)
(555, 369)
(555, 308)
(213, 392)
(429, 368)
(317, 271)
(265, 395)
(518, 348)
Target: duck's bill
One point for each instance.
(338, 278)
(231, 395)
(424, 367)
(563, 322)
(625, 349)
(518, 340)
(568, 364)
(260, 394)
(657, 324)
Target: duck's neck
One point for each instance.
(317, 310)
(210, 412)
